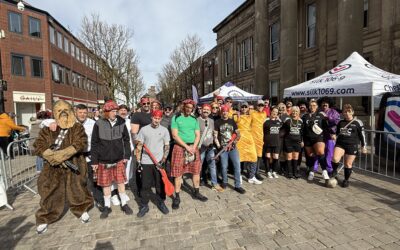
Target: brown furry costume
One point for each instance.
(56, 184)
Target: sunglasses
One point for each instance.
(145, 103)
(260, 105)
(167, 109)
(215, 107)
(244, 107)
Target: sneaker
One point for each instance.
(126, 209)
(85, 218)
(269, 174)
(41, 228)
(255, 181)
(161, 206)
(345, 183)
(143, 211)
(99, 206)
(275, 175)
(115, 200)
(325, 174)
(240, 190)
(105, 213)
(311, 176)
(217, 188)
(259, 177)
(200, 197)
(175, 203)
(223, 185)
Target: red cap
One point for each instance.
(206, 105)
(189, 101)
(157, 113)
(224, 108)
(220, 97)
(110, 105)
(144, 99)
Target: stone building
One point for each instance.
(43, 62)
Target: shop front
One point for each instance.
(26, 105)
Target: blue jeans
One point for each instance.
(39, 164)
(209, 154)
(234, 156)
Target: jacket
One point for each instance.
(7, 125)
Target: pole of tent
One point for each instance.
(341, 103)
(372, 128)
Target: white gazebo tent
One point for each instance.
(229, 89)
(353, 77)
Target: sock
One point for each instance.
(177, 195)
(335, 166)
(267, 165)
(322, 161)
(274, 165)
(124, 198)
(294, 166)
(310, 163)
(347, 173)
(107, 201)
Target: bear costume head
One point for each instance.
(64, 114)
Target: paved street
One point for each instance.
(280, 213)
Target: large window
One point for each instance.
(34, 27)
(309, 75)
(61, 73)
(228, 61)
(54, 72)
(274, 91)
(17, 65)
(52, 37)
(274, 42)
(245, 54)
(66, 45)
(311, 23)
(37, 67)
(78, 54)
(72, 49)
(59, 40)
(15, 22)
(366, 13)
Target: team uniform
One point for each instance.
(271, 135)
(310, 120)
(349, 135)
(293, 134)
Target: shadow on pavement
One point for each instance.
(13, 232)
(103, 245)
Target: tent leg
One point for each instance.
(341, 103)
(373, 132)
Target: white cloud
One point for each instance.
(159, 25)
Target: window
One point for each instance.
(17, 65)
(66, 45)
(311, 22)
(366, 13)
(228, 62)
(74, 79)
(78, 54)
(245, 54)
(59, 40)
(34, 27)
(37, 67)
(54, 72)
(61, 74)
(274, 42)
(72, 50)
(273, 90)
(52, 38)
(309, 76)
(67, 76)
(15, 22)
(82, 57)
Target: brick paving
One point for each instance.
(279, 214)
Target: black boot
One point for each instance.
(198, 196)
(105, 213)
(176, 201)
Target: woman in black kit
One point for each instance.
(293, 141)
(271, 129)
(314, 124)
(350, 133)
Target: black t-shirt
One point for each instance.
(309, 120)
(271, 132)
(225, 129)
(141, 118)
(293, 130)
(350, 134)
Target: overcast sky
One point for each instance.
(159, 25)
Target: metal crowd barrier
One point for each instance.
(383, 157)
(19, 164)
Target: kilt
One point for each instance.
(105, 177)
(178, 166)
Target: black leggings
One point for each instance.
(151, 176)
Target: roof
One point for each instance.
(231, 16)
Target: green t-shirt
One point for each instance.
(186, 127)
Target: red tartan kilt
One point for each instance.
(105, 177)
(178, 166)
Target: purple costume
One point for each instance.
(333, 120)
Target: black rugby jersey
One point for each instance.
(353, 134)
(293, 130)
(309, 120)
(271, 132)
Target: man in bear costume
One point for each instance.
(57, 184)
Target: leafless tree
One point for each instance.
(177, 76)
(117, 62)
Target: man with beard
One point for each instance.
(57, 184)
(110, 152)
(186, 155)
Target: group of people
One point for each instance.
(88, 160)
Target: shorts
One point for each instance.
(290, 147)
(178, 166)
(272, 149)
(348, 149)
(309, 142)
(106, 176)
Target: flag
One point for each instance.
(195, 94)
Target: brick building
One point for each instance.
(43, 62)
(265, 46)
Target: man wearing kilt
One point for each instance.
(111, 151)
(185, 155)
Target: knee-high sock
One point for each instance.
(347, 173)
(322, 161)
(310, 163)
(335, 166)
(275, 165)
(294, 167)
(267, 165)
